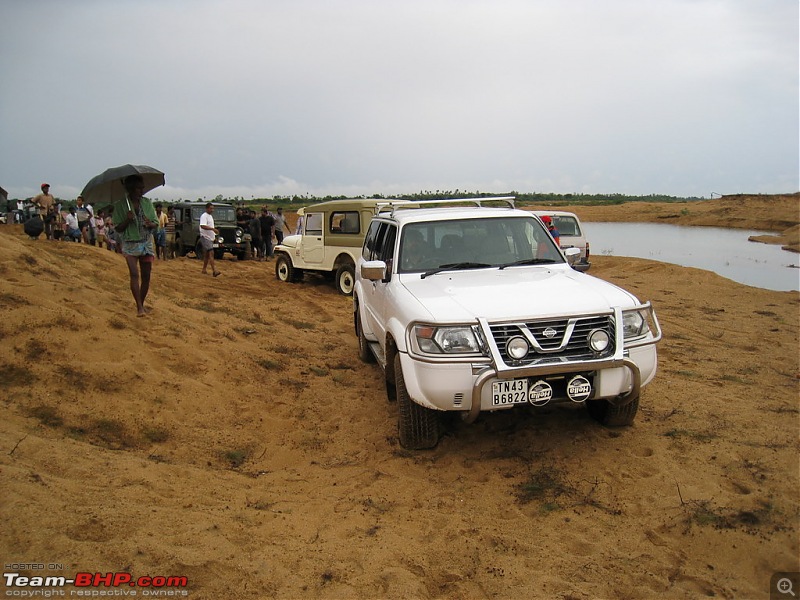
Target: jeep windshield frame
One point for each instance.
(429, 247)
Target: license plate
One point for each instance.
(509, 391)
(215, 246)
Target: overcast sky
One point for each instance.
(264, 97)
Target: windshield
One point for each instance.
(475, 243)
(221, 214)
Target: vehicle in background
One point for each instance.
(187, 229)
(330, 242)
(572, 236)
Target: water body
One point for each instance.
(724, 251)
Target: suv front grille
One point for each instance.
(551, 338)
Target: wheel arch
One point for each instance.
(343, 258)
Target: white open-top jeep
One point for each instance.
(474, 308)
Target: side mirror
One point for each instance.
(374, 270)
(572, 255)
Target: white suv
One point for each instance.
(571, 235)
(472, 309)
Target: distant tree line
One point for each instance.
(522, 198)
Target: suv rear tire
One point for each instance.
(418, 426)
(609, 415)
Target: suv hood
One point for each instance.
(513, 293)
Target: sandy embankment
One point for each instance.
(233, 437)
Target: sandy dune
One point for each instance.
(232, 437)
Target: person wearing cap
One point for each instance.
(43, 203)
(548, 221)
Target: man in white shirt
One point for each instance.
(73, 232)
(208, 234)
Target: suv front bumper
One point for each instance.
(466, 385)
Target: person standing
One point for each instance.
(135, 219)
(267, 223)
(207, 235)
(169, 229)
(256, 243)
(44, 202)
(280, 225)
(161, 233)
(99, 223)
(84, 215)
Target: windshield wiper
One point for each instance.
(454, 267)
(529, 261)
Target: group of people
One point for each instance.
(262, 229)
(143, 232)
(79, 223)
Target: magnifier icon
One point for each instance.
(784, 586)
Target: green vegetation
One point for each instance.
(522, 198)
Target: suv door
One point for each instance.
(313, 246)
(383, 248)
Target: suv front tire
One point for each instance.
(418, 426)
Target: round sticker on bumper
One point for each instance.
(540, 393)
(579, 388)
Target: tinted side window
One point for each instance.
(369, 242)
(386, 250)
(345, 222)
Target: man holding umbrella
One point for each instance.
(135, 218)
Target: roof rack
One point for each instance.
(488, 202)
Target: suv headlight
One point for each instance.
(446, 340)
(634, 324)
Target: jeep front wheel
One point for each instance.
(418, 426)
(283, 268)
(345, 279)
(609, 415)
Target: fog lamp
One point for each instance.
(599, 340)
(517, 348)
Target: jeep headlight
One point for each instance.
(220, 239)
(634, 324)
(446, 340)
